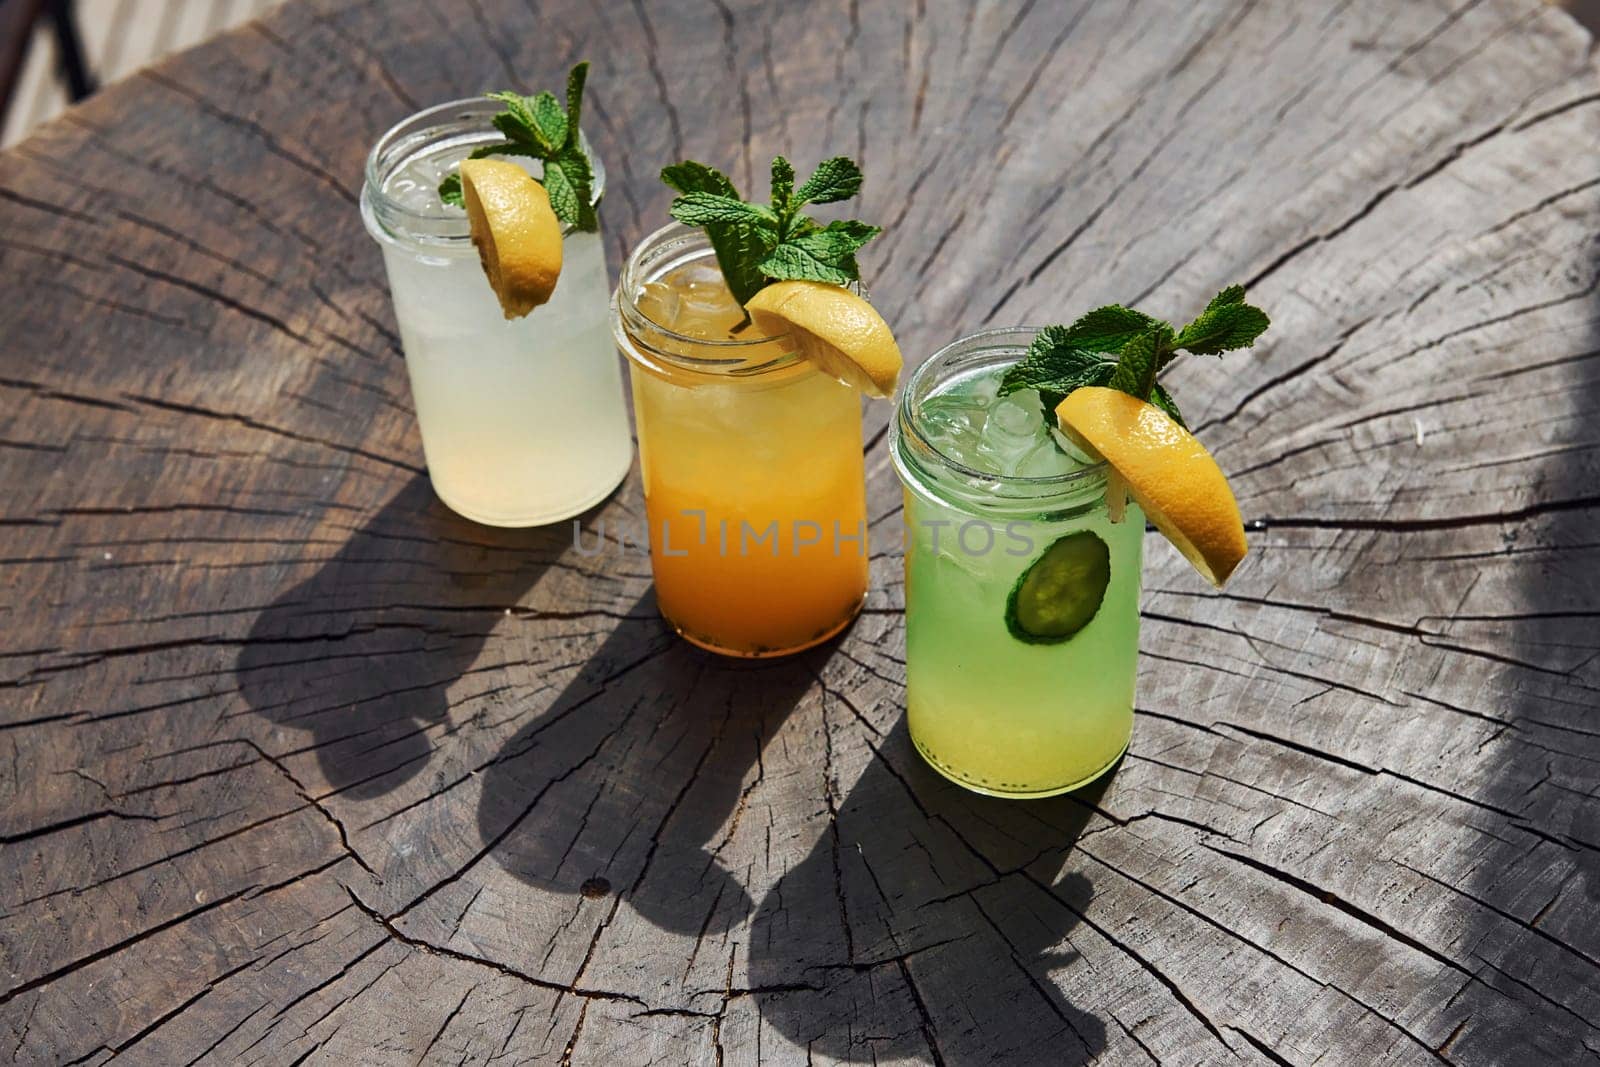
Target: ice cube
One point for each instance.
(1012, 430)
(951, 423)
(982, 390)
(659, 302)
(700, 282)
(1016, 416)
(431, 169)
(699, 303)
(412, 192)
(1045, 461)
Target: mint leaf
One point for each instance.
(747, 248)
(805, 250)
(1139, 361)
(539, 127)
(507, 149)
(740, 247)
(834, 179)
(550, 122)
(1055, 367)
(1046, 342)
(692, 177)
(1052, 363)
(1223, 328)
(758, 243)
(563, 197)
(575, 165)
(1233, 294)
(791, 262)
(782, 184)
(849, 232)
(705, 209)
(834, 245)
(1064, 358)
(516, 121)
(450, 190)
(821, 255)
(576, 77)
(515, 132)
(1163, 400)
(1109, 328)
(1060, 371)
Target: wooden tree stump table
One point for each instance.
(296, 766)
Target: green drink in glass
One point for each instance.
(1030, 460)
(1022, 596)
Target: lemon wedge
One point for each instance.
(1166, 470)
(836, 331)
(517, 235)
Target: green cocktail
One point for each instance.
(1022, 597)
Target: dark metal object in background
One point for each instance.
(1586, 12)
(69, 45)
(17, 19)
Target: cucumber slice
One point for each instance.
(1060, 591)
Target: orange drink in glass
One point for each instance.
(752, 462)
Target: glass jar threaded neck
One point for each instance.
(438, 137)
(927, 469)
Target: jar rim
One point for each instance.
(911, 446)
(466, 118)
(643, 339)
(660, 241)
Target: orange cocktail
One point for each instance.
(752, 462)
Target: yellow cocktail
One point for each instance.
(751, 457)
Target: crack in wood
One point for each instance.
(564, 988)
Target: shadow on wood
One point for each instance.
(919, 901)
(363, 653)
(924, 922)
(631, 800)
(1539, 894)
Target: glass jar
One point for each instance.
(522, 420)
(1002, 713)
(754, 482)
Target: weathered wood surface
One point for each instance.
(296, 766)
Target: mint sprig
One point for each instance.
(1226, 324)
(539, 127)
(757, 244)
(1125, 349)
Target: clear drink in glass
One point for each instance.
(523, 421)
